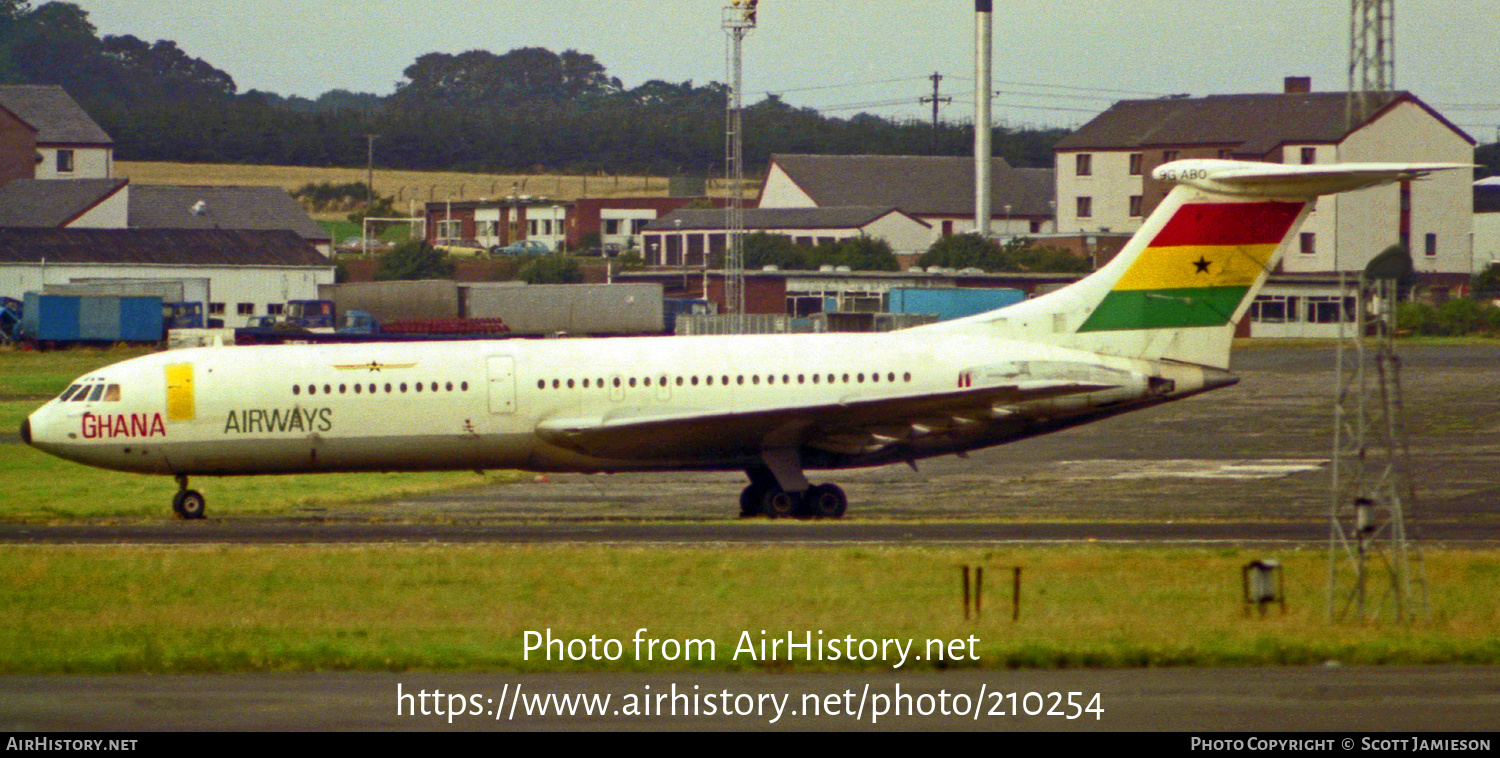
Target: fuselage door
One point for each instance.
(502, 373)
(181, 400)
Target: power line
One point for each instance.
(851, 106)
(1058, 97)
(970, 103)
(844, 85)
(1039, 107)
(1076, 88)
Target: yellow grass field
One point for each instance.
(407, 187)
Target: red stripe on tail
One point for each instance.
(1262, 223)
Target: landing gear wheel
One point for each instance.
(189, 504)
(778, 503)
(750, 498)
(826, 501)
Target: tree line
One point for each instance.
(522, 110)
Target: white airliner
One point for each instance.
(1152, 326)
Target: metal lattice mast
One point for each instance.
(1372, 56)
(738, 20)
(1372, 487)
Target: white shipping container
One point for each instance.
(571, 308)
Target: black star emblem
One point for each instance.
(1201, 264)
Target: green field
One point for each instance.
(30, 375)
(234, 608)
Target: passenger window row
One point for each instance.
(91, 392)
(374, 389)
(725, 380)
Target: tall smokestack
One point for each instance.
(982, 126)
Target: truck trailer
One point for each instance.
(59, 320)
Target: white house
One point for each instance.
(682, 237)
(62, 143)
(1486, 223)
(1104, 169)
(1104, 183)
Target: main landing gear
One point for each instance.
(187, 504)
(765, 495)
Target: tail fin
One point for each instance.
(1187, 277)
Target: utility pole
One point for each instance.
(935, 100)
(369, 183)
(370, 170)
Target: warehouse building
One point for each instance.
(800, 294)
(71, 204)
(118, 204)
(938, 191)
(246, 208)
(250, 273)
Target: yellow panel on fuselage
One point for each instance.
(180, 405)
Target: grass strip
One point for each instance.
(101, 609)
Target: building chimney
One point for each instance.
(1297, 85)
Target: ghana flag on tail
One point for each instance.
(1198, 269)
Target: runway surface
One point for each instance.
(758, 532)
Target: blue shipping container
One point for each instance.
(951, 302)
(88, 318)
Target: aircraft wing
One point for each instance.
(852, 426)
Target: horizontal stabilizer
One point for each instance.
(1283, 180)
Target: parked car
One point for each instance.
(607, 250)
(524, 247)
(462, 248)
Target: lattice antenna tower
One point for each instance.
(1372, 57)
(1375, 570)
(738, 21)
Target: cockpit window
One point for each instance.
(97, 393)
(82, 394)
(112, 394)
(67, 393)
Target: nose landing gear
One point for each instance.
(187, 504)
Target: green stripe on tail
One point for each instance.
(1165, 309)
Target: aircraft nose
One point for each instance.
(26, 431)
